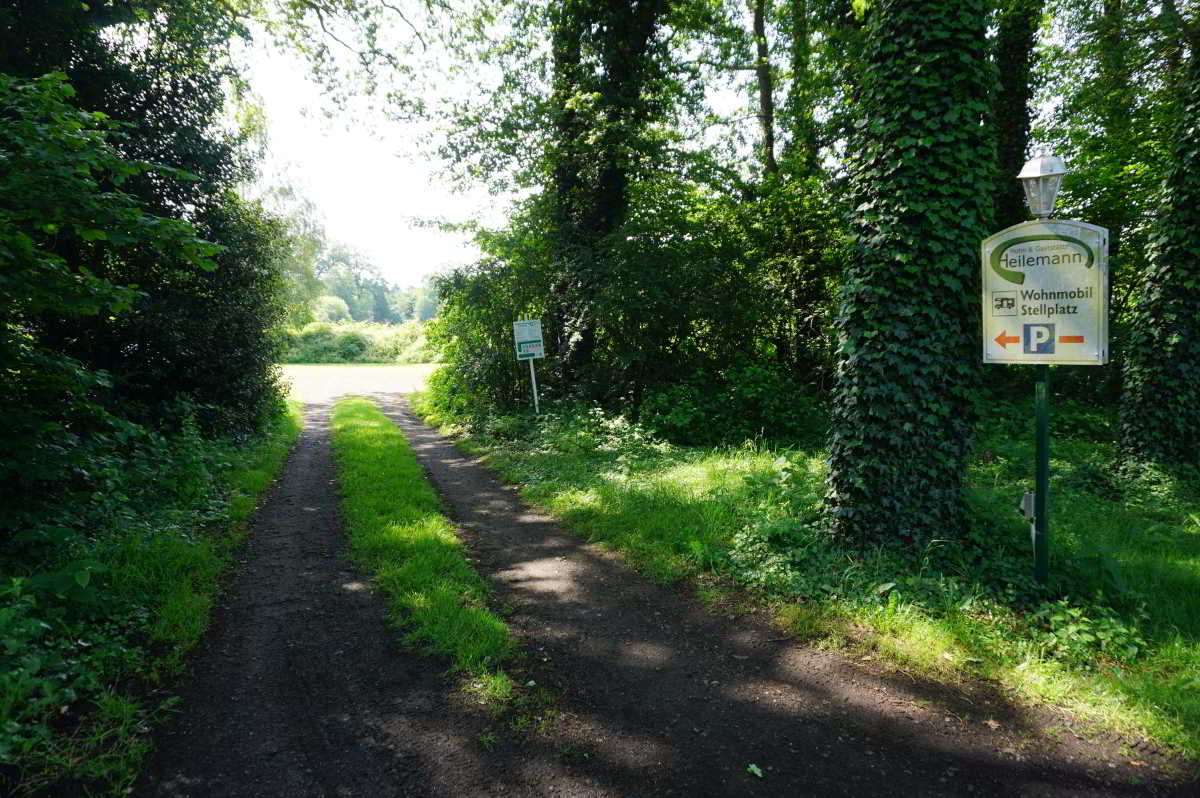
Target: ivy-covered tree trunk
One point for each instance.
(1016, 34)
(800, 100)
(908, 324)
(766, 89)
(1115, 75)
(1160, 405)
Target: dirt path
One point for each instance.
(681, 701)
(303, 690)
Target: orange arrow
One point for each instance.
(1070, 339)
(1004, 339)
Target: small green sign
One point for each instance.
(527, 335)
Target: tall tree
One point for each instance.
(908, 325)
(1160, 407)
(1105, 74)
(803, 148)
(602, 63)
(766, 86)
(1017, 23)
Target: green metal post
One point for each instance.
(1041, 523)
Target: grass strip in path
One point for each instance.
(398, 533)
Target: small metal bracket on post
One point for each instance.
(1026, 505)
(1027, 509)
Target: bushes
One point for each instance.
(357, 342)
(743, 403)
(115, 586)
(352, 345)
(330, 308)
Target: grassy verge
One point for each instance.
(1115, 638)
(85, 642)
(399, 535)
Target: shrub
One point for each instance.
(351, 345)
(745, 403)
(357, 342)
(315, 343)
(330, 308)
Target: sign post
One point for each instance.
(1045, 300)
(527, 337)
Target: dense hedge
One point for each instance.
(1160, 412)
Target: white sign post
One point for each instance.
(527, 337)
(1045, 294)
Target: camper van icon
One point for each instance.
(1004, 303)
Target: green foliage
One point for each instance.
(357, 342)
(164, 77)
(351, 346)
(1160, 404)
(1017, 24)
(89, 614)
(232, 309)
(908, 323)
(330, 308)
(1081, 633)
(480, 303)
(1109, 68)
(61, 184)
(747, 403)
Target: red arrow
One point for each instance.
(1070, 339)
(1004, 339)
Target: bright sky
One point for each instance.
(365, 174)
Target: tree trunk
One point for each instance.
(766, 91)
(592, 185)
(568, 25)
(908, 327)
(1160, 403)
(1117, 112)
(1017, 27)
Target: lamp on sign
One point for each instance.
(1041, 178)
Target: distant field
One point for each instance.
(322, 383)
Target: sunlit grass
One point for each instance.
(182, 570)
(157, 572)
(678, 513)
(398, 533)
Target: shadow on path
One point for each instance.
(303, 688)
(663, 697)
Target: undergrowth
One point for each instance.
(95, 622)
(1114, 636)
(357, 342)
